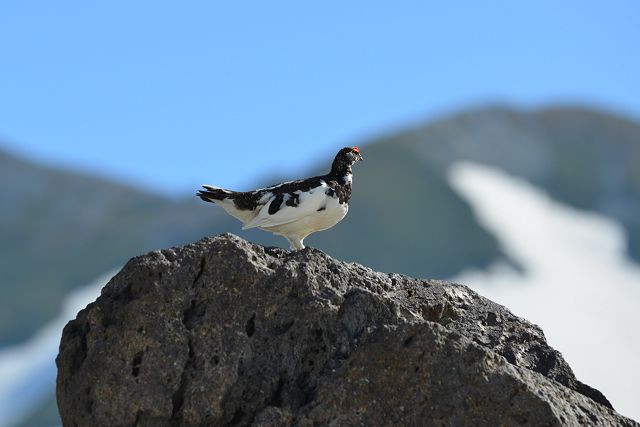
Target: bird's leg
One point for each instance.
(296, 244)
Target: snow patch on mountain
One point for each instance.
(578, 283)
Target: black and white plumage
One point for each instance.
(293, 209)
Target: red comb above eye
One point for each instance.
(356, 149)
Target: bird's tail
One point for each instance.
(211, 193)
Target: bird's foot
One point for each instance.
(296, 244)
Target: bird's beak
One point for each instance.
(359, 158)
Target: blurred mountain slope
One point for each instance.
(404, 216)
(45, 415)
(586, 158)
(61, 229)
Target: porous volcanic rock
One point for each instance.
(225, 332)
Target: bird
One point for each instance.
(293, 209)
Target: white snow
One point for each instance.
(578, 284)
(28, 370)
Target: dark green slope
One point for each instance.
(61, 230)
(45, 415)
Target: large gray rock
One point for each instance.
(224, 332)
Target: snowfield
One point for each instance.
(578, 283)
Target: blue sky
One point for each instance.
(170, 95)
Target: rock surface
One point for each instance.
(224, 332)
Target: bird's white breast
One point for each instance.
(330, 216)
(318, 220)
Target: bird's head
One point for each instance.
(344, 159)
(349, 155)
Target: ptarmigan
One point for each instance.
(293, 209)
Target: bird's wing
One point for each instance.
(283, 208)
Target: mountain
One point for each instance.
(62, 229)
(404, 216)
(587, 159)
